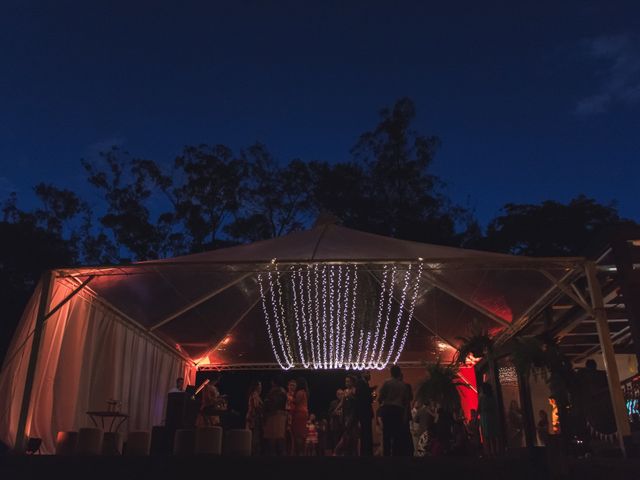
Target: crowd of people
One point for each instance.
(281, 422)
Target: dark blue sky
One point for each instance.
(531, 101)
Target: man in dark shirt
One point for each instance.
(275, 418)
(395, 399)
(364, 410)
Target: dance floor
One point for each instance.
(305, 468)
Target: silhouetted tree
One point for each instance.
(550, 228)
(276, 199)
(128, 188)
(388, 187)
(206, 193)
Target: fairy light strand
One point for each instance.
(266, 317)
(403, 299)
(297, 316)
(412, 306)
(313, 318)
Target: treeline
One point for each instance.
(212, 196)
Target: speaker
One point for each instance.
(176, 405)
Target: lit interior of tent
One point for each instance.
(206, 311)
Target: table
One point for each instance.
(106, 415)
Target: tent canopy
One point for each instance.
(206, 306)
(127, 332)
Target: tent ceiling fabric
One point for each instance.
(211, 299)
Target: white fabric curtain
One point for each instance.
(88, 354)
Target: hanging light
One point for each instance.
(319, 316)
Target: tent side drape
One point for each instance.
(87, 356)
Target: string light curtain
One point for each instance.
(338, 316)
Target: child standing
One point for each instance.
(311, 441)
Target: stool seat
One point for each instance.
(138, 444)
(89, 441)
(66, 443)
(208, 441)
(184, 442)
(237, 442)
(112, 443)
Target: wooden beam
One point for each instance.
(608, 355)
(570, 292)
(544, 300)
(581, 318)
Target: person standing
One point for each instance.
(179, 386)
(473, 430)
(290, 405)
(275, 418)
(348, 444)
(364, 410)
(299, 416)
(488, 419)
(394, 399)
(335, 419)
(254, 418)
(542, 428)
(211, 403)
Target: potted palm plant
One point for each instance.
(441, 386)
(478, 343)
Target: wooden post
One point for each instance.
(526, 406)
(502, 424)
(46, 283)
(608, 354)
(630, 286)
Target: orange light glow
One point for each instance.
(471, 360)
(203, 360)
(555, 418)
(226, 340)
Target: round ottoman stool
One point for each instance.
(89, 441)
(184, 442)
(138, 444)
(208, 441)
(237, 443)
(112, 443)
(66, 443)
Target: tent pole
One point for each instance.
(440, 286)
(575, 296)
(200, 301)
(608, 354)
(536, 307)
(45, 296)
(235, 324)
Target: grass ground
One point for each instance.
(306, 468)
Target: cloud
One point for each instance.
(6, 186)
(620, 75)
(94, 149)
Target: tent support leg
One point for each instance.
(449, 291)
(45, 296)
(608, 354)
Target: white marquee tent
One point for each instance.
(126, 332)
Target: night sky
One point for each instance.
(531, 102)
